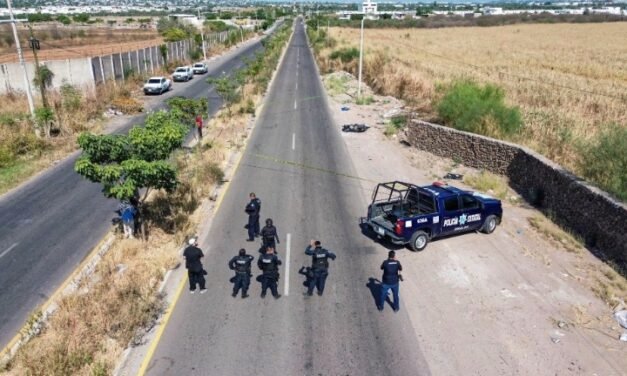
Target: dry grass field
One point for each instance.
(570, 80)
(70, 42)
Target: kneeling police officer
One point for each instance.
(319, 266)
(241, 265)
(269, 263)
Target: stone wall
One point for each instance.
(572, 203)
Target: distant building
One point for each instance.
(368, 7)
(188, 19)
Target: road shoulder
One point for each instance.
(509, 302)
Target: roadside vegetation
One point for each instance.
(112, 309)
(31, 145)
(548, 87)
(28, 145)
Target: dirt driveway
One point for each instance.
(511, 303)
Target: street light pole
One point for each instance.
(29, 93)
(361, 56)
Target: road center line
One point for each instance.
(8, 250)
(295, 104)
(286, 291)
(293, 141)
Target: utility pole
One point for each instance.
(361, 56)
(327, 36)
(34, 45)
(202, 37)
(29, 93)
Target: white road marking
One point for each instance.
(295, 105)
(293, 141)
(286, 291)
(8, 250)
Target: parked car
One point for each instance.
(200, 68)
(407, 214)
(157, 85)
(183, 74)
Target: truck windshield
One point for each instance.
(181, 70)
(154, 81)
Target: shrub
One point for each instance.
(604, 160)
(364, 101)
(470, 107)
(70, 97)
(345, 55)
(127, 105)
(396, 124)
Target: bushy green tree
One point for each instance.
(174, 34)
(125, 164)
(81, 18)
(64, 19)
(188, 108)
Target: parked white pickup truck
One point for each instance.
(157, 85)
(183, 74)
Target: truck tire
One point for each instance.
(418, 241)
(489, 225)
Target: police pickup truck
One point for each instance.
(408, 214)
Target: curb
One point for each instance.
(71, 283)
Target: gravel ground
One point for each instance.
(513, 302)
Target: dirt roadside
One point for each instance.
(512, 302)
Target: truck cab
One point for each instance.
(405, 213)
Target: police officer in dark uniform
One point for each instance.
(319, 266)
(241, 265)
(253, 209)
(269, 263)
(269, 235)
(391, 276)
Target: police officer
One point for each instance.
(253, 209)
(241, 265)
(391, 276)
(269, 263)
(319, 266)
(269, 235)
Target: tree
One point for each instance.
(188, 108)
(126, 164)
(81, 18)
(163, 49)
(43, 80)
(226, 87)
(64, 19)
(174, 34)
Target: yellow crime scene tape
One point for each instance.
(309, 167)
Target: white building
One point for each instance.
(188, 19)
(368, 7)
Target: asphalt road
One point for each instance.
(50, 224)
(340, 333)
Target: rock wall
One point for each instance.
(572, 203)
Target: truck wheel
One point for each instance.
(419, 241)
(489, 225)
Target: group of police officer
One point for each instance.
(316, 275)
(269, 262)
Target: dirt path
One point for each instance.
(507, 303)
